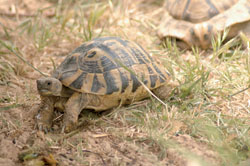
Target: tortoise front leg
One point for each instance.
(45, 113)
(72, 110)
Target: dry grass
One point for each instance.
(202, 125)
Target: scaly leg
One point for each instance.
(72, 110)
(45, 113)
(164, 91)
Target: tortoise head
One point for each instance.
(49, 86)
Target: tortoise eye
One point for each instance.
(92, 54)
(49, 83)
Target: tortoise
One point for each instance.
(195, 22)
(101, 74)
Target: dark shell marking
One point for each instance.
(195, 22)
(190, 10)
(107, 65)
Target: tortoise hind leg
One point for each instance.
(73, 107)
(164, 91)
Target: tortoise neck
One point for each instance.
(66, 92)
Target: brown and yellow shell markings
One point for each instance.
(100, 74)
(195, 22)
(99, 67)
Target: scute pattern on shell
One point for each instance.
(195, 22)
(110, 65)
(196, 11)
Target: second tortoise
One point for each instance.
(195, 22)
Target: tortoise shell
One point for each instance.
(194, 22)
(110, 65)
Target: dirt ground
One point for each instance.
(99, 140)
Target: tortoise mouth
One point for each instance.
(45, 92)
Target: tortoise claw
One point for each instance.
(68, 127)
(43, 123)
(44, 127)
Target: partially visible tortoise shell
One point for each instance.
(110, 65)
(194, 22)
